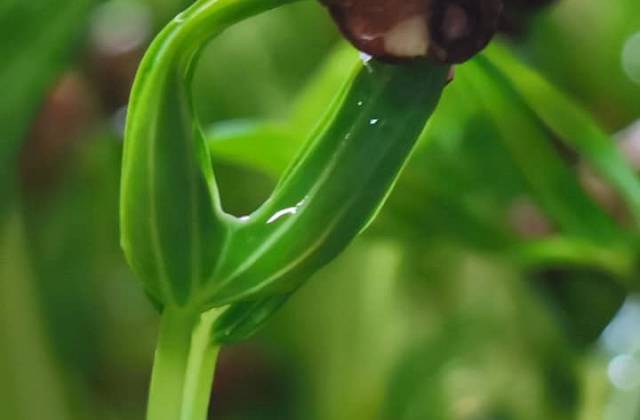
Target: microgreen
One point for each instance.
(217, 277)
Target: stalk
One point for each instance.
(201, 368)
(183, 368)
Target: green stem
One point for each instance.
(200, 369)
(183, 367)
(170, 365)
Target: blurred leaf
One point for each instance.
(264, 146)
(271, 146)
(571, 124)
(72, 248)
(553, 185)
(416, 390)
(267, 62)
(321, 90)
(583, 300)
(37, 39)
(461, 146)
(588, 63)
(466, 371)
(28, 372)
(567, 251)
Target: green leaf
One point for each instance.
(333, 189)
(571, 293)
(458, 182)
(243, 319)
(172, 222)
(567, 251)
(571, 124)
(550, 180)
(264, 146)
(64, 268)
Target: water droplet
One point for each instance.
(366, 60)
(360, 103)
(289, 211)
(365, 57)
(374, 121)
(179, 18)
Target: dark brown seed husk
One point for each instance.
(447, 31)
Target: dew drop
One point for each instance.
(180, 18)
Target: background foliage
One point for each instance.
(481, 292)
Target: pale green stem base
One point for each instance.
(183, 368)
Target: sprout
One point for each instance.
(216, 277)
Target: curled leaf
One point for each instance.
(176, 235)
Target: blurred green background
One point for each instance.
(470, 298)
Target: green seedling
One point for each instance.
(216, 277)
